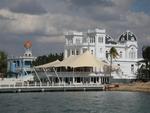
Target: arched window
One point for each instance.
(70, 41)
(132, 68)
(92, 39)
(132, 54)
(120, 54)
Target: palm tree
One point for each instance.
(113, 55)
(3, 62)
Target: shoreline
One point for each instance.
(133, 87)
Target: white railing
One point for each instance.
(48, 85)
(75, 74)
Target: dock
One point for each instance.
(45, 87)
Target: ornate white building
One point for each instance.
(99, 44)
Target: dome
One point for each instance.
(109, 39)
(27, 44)
(127, 36)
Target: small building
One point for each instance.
(21, 66)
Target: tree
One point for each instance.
(146, 55)
(144, 71)
(113, 55)
(3, 62)
(47, 58)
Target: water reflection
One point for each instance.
(75, 102)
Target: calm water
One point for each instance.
(75, 102)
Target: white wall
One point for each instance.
(125, 62)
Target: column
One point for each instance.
(73, 79)
(81, 50)
(65, 53)
(70, 52)
(75, 53)
(100, 80)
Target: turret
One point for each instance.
(27, 46)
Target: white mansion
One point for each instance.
(99, 44)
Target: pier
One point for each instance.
(46, 87)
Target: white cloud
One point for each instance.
(57, 39)
(50, 26)
(19, 23)
(47, 24)
(138, 19)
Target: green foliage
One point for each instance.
(47, 58)
(3, 62)
(113, 53)
(146, 53)
(144, 71)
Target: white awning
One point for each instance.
(51, 64)
(66, 62)
(83, 60)
(87, 60)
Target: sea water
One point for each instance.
(75, 102)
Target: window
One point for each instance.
(27, 63)
(77, 52)
(17, 63)
(72, 52)
(122, 39)
(132, 39)
(100, 39)
(92, 39)
(70, 41)
(132, 54)
(120, 54)
(132, 68)
(91, 51)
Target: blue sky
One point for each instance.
(141, 6)
(45, 21)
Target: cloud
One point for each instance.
(52, 39)
(28, 7)
(46, 24)
(18, 23)
(138, 19)
(45, 21)
(85, 3)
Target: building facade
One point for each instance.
(99, 43)
(21, 66)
